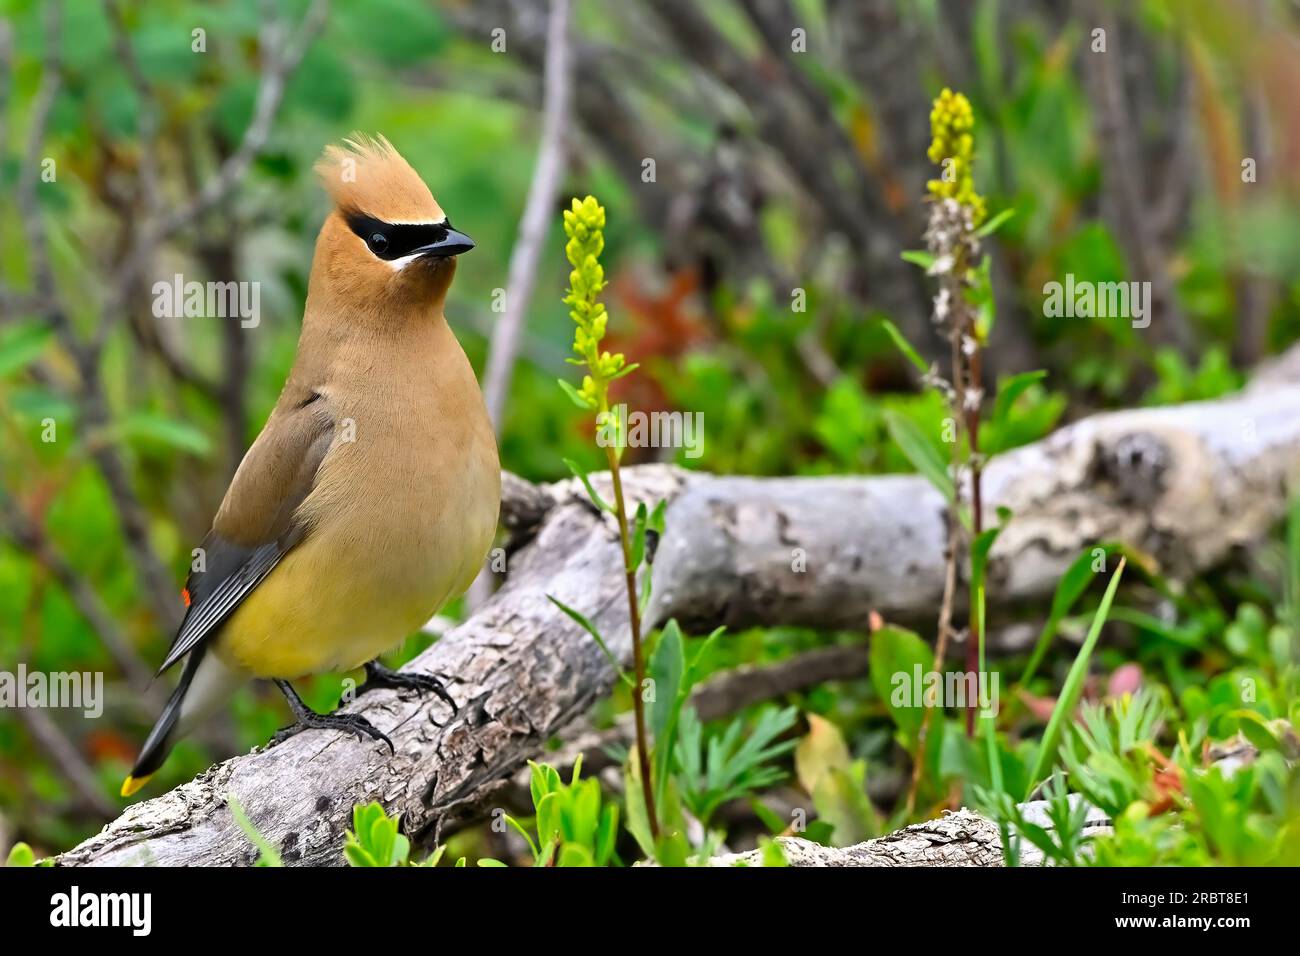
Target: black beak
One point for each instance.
(452, 244)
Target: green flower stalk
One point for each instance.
(584, 224)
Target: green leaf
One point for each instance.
(820, 751)
(576, 397)
(995, 223)
(374, 840)
(905, 346)
(841, 800)
(668, 670)
(638, 820)
(1073, 687)
(656, 522)
(574, 854)
(543, 779)
(895, 651)
(772, 854)
(606, 834)
(590, 628)
(22, 344)
(921, 452)
(1069, 589)
(1257, 730)
(20, 854)
(150, 428)
(581, 475)
(1011, 388)
(639, 521)
(267, 854)
(918, 257)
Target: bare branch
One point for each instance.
(148, 181)
(526, 255)
(55, 744)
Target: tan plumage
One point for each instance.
(374, 487)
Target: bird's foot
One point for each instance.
(377, 675)
(307, 719)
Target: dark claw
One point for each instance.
(307, 719)
(377, 675)
(353, 724)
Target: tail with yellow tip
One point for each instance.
(206, 683)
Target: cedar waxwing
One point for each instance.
(370, 498)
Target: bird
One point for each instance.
(371, 496)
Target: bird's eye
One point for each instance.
(377, 243)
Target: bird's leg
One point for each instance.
(307, 719)
(377, 675)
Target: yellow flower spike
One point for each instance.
(951, 123)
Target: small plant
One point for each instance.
(375, 840)
(733, 763)
(574, 826)
(20, 854)
(584, 224)
(964, 313)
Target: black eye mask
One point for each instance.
(389, 241)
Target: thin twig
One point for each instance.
(54, 743)
(279, 60)
(24, 533)
(148, 180)
(526, 255)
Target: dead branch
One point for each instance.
(959, 838)
(527, 253)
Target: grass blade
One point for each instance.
(1069, 698)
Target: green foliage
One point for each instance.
(374, 839)
(574, 826)
(20, 854)
(837, 785)
(726, 766)
(896, 651)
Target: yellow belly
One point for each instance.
(366, 578)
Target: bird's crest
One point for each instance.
(367, 175)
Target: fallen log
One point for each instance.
(958, 838)
(1187, 484)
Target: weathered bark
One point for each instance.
(960, 838)
(966, 838)
(1185, 483)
